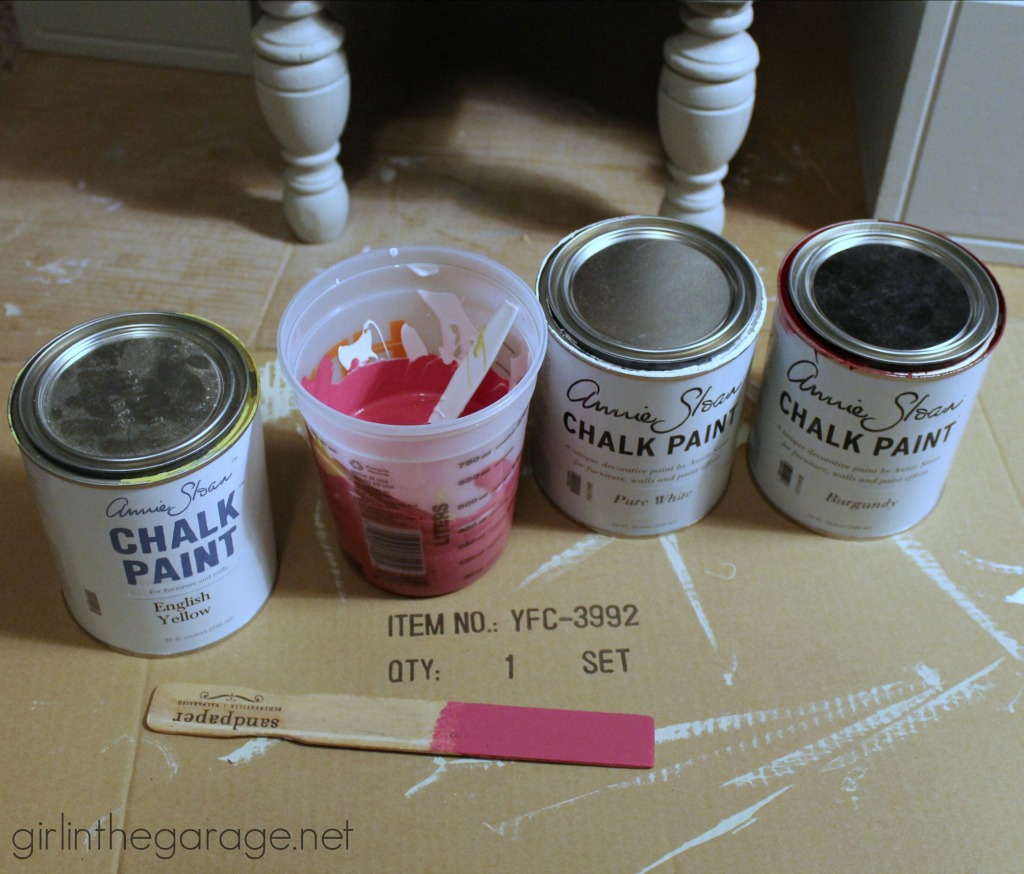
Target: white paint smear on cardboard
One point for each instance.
(985, 564)
(826, 747)
(443, 765)
(948, 701)
(883, 714)
(670, 545)
(826, 711)
(169, 759)
(567, 559)
(276, 398)
(675, 558)
(252, 749)
(930, 566)
(729, 825)
(876, 733)
(1015, 570)
(61, 272)
(95, 830)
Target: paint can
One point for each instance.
(651, 324)
(882, 335)
(142, 439)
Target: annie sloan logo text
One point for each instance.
(191, 491)
(182, 547)
(872, 429)
(666, 434)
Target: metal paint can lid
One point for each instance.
(648, 293)
(133, 396)
(893, 295)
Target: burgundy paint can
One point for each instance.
(882, 335)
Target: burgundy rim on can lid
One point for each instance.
(648, 293)
(133, 395)
(896, 296)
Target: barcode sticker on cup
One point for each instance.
(398, 550)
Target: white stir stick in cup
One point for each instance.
(474, 364)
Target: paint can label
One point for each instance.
(849, 452)
(632, 455)
(166, 568)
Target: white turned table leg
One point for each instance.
(302, 84)
(705, 102)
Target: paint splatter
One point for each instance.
(61, 272)
(788, 764)
(675, 558)
(930, 566)
(510, 828)
(169, 760)
(94, 832)
(910, 724)
(852, 783)
(124, 738)
(1009, 569)
(258, 746)
(276, 398)
(985, 564)
(828, 710)
(443, 766)
(569, 558)
(729, 825)
(899, 710)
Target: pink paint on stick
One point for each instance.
(623, 740)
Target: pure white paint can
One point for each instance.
(652, 324)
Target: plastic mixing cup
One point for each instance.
(425, 509)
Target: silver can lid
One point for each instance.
(133, 396)
(649, 293)
(894, 295)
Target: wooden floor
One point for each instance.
(126, 186)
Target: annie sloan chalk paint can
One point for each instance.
(881, 338)
(142, 439)
(651, 323)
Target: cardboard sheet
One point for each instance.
(814, 698)
(820, 705)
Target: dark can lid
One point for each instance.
(894, 295)
(649, 293)
(133, 395)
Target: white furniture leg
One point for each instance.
(705, 101)
(302, 85)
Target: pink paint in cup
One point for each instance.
(425, 509)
